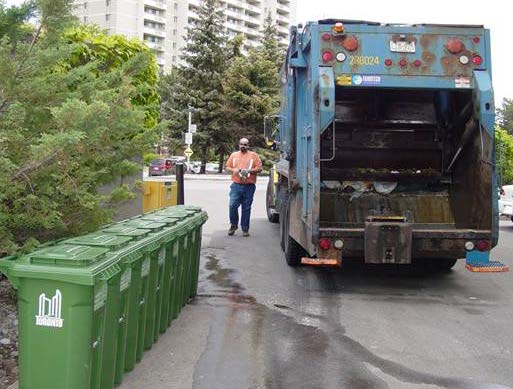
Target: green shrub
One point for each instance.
(148, 157)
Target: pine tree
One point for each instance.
(200, 81)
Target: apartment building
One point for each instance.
(162, 23)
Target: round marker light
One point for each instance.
(388, 62)
(476, 40)
(417, 63)
(483, 245)
(477, 60)
(454, 46)
(350, 43)
(469, 246)
(338, 28)
(338, 244)
(327, 56)
(341, 57)
(326, 36)
(324, 244)
(403, 63)
(464, 60)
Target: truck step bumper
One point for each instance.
(479, 262)
(321, 262)
(490, 267)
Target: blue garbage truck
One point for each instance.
(386, 141)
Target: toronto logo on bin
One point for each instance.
(49, 310)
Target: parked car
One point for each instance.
(194, 167)
(506, 201)
(211, 167)
(160, 167)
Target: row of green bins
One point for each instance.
(89, 306)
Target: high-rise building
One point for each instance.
(162, 23)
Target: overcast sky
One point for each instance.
(492, 14)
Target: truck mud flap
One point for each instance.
(388, 241)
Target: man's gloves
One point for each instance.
(244, 174)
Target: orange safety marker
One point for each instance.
(320, 262)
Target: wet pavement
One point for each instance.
(258, 323)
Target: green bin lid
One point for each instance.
(101, 239)
(146, 224)
(126, 230)
(68, 255)
(168, 220)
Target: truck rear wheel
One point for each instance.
(272, 215)
(293, 250)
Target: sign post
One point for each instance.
(191, 129)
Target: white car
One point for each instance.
(506, 201)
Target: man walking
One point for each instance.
(244, 166)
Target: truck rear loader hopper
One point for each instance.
(387, 147)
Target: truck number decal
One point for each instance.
(359, 60)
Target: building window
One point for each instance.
(107, 3)
(85, 19)
(174, 31)
(175, 19)
(174, 45)
(175, 6)
(107, 17)
(85, 5)
(174, 58)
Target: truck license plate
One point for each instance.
(402, 47)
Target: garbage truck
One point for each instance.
(386, 143)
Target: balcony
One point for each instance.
(282, 9)
(157, 4)
(282, 29)
(160, 32)
(154, 17)
(157, 46)
(281, 18)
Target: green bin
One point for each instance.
(68, 302)
(116, 327)
(130, 297)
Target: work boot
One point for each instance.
(245, 234)
(232, 230)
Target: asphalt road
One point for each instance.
(259, 324)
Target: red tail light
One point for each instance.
(454, 46)
(417, 63)
(324, 244)
(388, 62)
(483, 245)
(476, 40)
(350, 43)
(327, 56)
(403, 63)
(477, 60)
(326, 36)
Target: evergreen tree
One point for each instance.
(70, 122)
(198, 83)
(505, 115)
(271, 47)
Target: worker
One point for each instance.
(244, 166)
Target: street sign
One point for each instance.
(188, 138)
(188, 152)
(193, 128)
